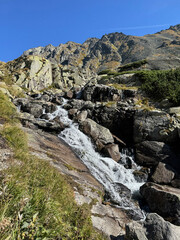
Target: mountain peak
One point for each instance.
(175, 27)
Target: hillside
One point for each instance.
(161, 49)
(89, 140)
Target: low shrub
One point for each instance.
(161, 84)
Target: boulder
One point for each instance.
(150, 153)
(159, 229)
(81, 116)
(49, 107)
(69, 94)
(112, 151)
(30, 121)
(118, 120)
(153, 228)
(163, 200)
(163, 174)
(135, 231)
(101, 93)
(155, 126)
(97, 132)
(36, 109)
(72, 112)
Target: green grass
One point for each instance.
(36, 201)
(132, 66)
(7, 109)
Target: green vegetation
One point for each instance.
(161, 84)
(7, 109)
(36, 201)
(111, 104)
(132, 66)
(15, 91)
(5, 76)
(143, 103)
(122, 86)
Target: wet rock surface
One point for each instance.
(153, 133)
(109, 220)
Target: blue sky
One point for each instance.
(31, 23)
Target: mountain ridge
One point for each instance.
(115, 49)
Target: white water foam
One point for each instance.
(104, 169)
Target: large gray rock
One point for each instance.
(153, 228)
(155, 126)
(98, 133)
(150, 153)
(112, 150)
(28, 120)
(163, 174)
(32, 72)
(101, 93)
(135, 231)
(163, 200)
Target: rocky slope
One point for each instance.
(116, 117)
(115, 49)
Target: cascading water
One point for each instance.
(108, 172)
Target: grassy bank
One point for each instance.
(36, 201)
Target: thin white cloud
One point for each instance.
(137, 27)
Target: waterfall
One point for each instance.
(108, 172)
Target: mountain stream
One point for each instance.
(108, 172)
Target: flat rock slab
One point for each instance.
(109, 220)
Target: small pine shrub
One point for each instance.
(161, 84)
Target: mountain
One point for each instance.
(162, 50)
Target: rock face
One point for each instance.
(100, 93)
(153, 228)
(114, 49)
(32, 72)
(150, 153)
(155, 126)
(163, 200)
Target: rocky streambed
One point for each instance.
(113, 121)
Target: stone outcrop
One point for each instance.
(102, 138)
(163, 200)
(155, 126)
(150, 153)
(32, 72)
(153, 228)
(101, 93)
